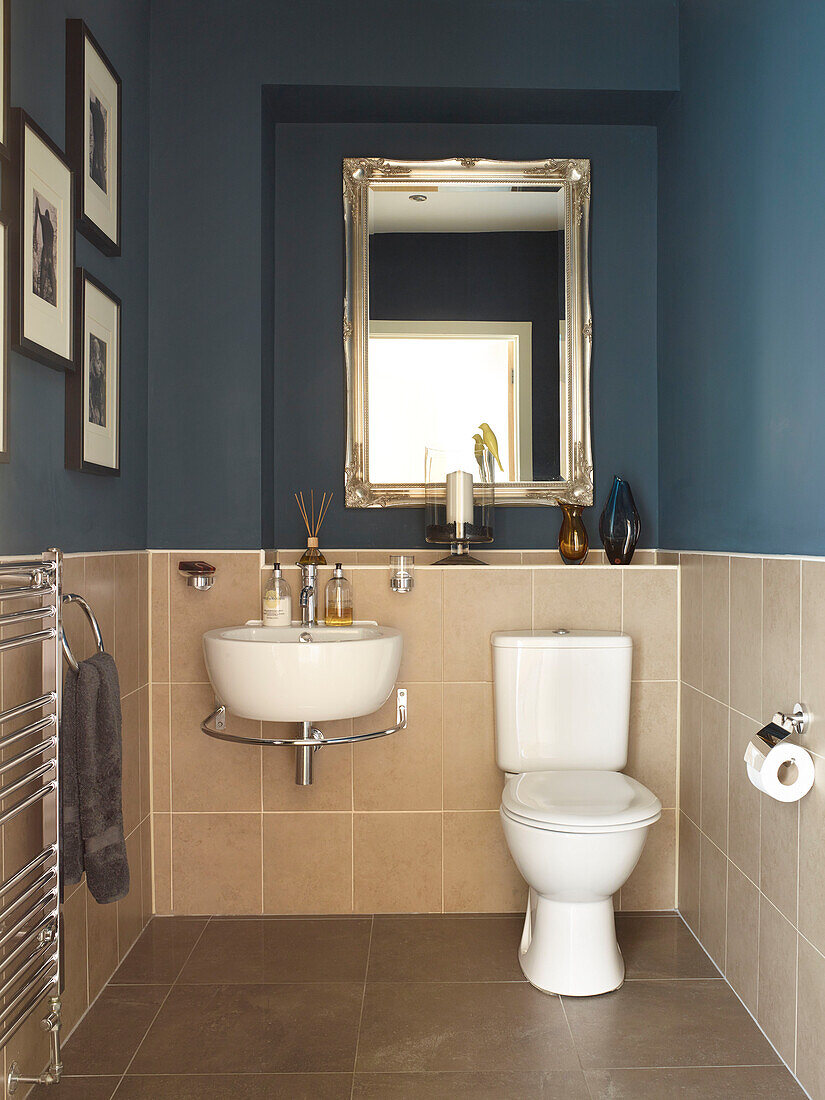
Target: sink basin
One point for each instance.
(267, 673)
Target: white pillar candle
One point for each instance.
(459, 500)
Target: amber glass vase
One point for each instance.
(573, 544)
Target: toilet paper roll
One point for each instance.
(767, 770)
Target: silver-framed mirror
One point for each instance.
(433, 327)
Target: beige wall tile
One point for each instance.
(667, 557)
(308, 863)
(810, 1065)
(130, 908)
(234, 598)
(776, 1003)
(712, 901)
(397, 863)
(145, 748)
(162, 862)
(161, 748)
(131, 762)
(75, 992)
(160, 615)
(74, 621)
(143, 618)
(472, 780)
(652, 749)
(715, 756)
(216, 863)
(650, 617)
(22, 838)
(403, 771)
(741, 960)
(101, 923)
(381, 557)
(417, 614)
(146, 870)
(331, 787)
(811, 849)
(578, 599)
(652, 885)
(690, 753)
(207, 774)
(691, 602)
(743, 800)
(780, 635)
(127, 621)
(477, 602)
(746, 635)
(479, 873)
(689, 872)
(21, 668)
(779, 832)
(813, 650)
(498, 557)
(100, 593)
(715, 626)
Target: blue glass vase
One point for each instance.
(619, 524)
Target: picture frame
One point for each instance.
(93, 137)
(4, 339)
(5, 75)
(93, 388)
(41, 241)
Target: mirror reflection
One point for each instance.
(466, 324)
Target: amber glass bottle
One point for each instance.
(338, 599)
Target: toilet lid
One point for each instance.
(580, 801)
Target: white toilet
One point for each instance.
(575, 825)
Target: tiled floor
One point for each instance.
(408, 1007)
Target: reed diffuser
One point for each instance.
(312, 555)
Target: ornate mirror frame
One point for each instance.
(362, 174)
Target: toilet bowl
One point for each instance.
(575, 837)
(574, 823)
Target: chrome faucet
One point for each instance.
(309, 599)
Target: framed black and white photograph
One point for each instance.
(41, 246)
(4, 340)
(93, 129)
(5, 74)
(93, 389)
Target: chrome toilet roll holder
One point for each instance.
(784, 725)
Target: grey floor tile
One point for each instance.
(665, 1024)
(661, 947)
(747, 1083)
(296, 1028)
(471, 1026)
(271, 950)
(77, 1088)
(160, 951)
(247, 1086)
(111, 1031)
(554, 1085)
(445, 949)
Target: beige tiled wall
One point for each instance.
(406, 824)
(750, 868)
(96, 937)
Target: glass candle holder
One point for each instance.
(459, 491)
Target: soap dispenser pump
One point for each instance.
(338, 599)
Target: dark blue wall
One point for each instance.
(742, 281)
(309, 260)
(209, 333)
(41, 503)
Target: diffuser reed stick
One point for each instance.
(312, 555)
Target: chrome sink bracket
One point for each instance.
(312, 738)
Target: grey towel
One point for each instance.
(91, 755)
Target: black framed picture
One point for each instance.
(41, 243)
(4, 340)
(93, 136)
(93, 388)
(5, 74)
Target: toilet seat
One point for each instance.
(580, 801)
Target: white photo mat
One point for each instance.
(101, 330)
(100, 205)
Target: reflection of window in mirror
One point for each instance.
(432, 383)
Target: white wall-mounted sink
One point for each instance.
(271, 674)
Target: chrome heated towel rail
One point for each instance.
(31, 958)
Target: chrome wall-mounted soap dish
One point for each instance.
(198, 574)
